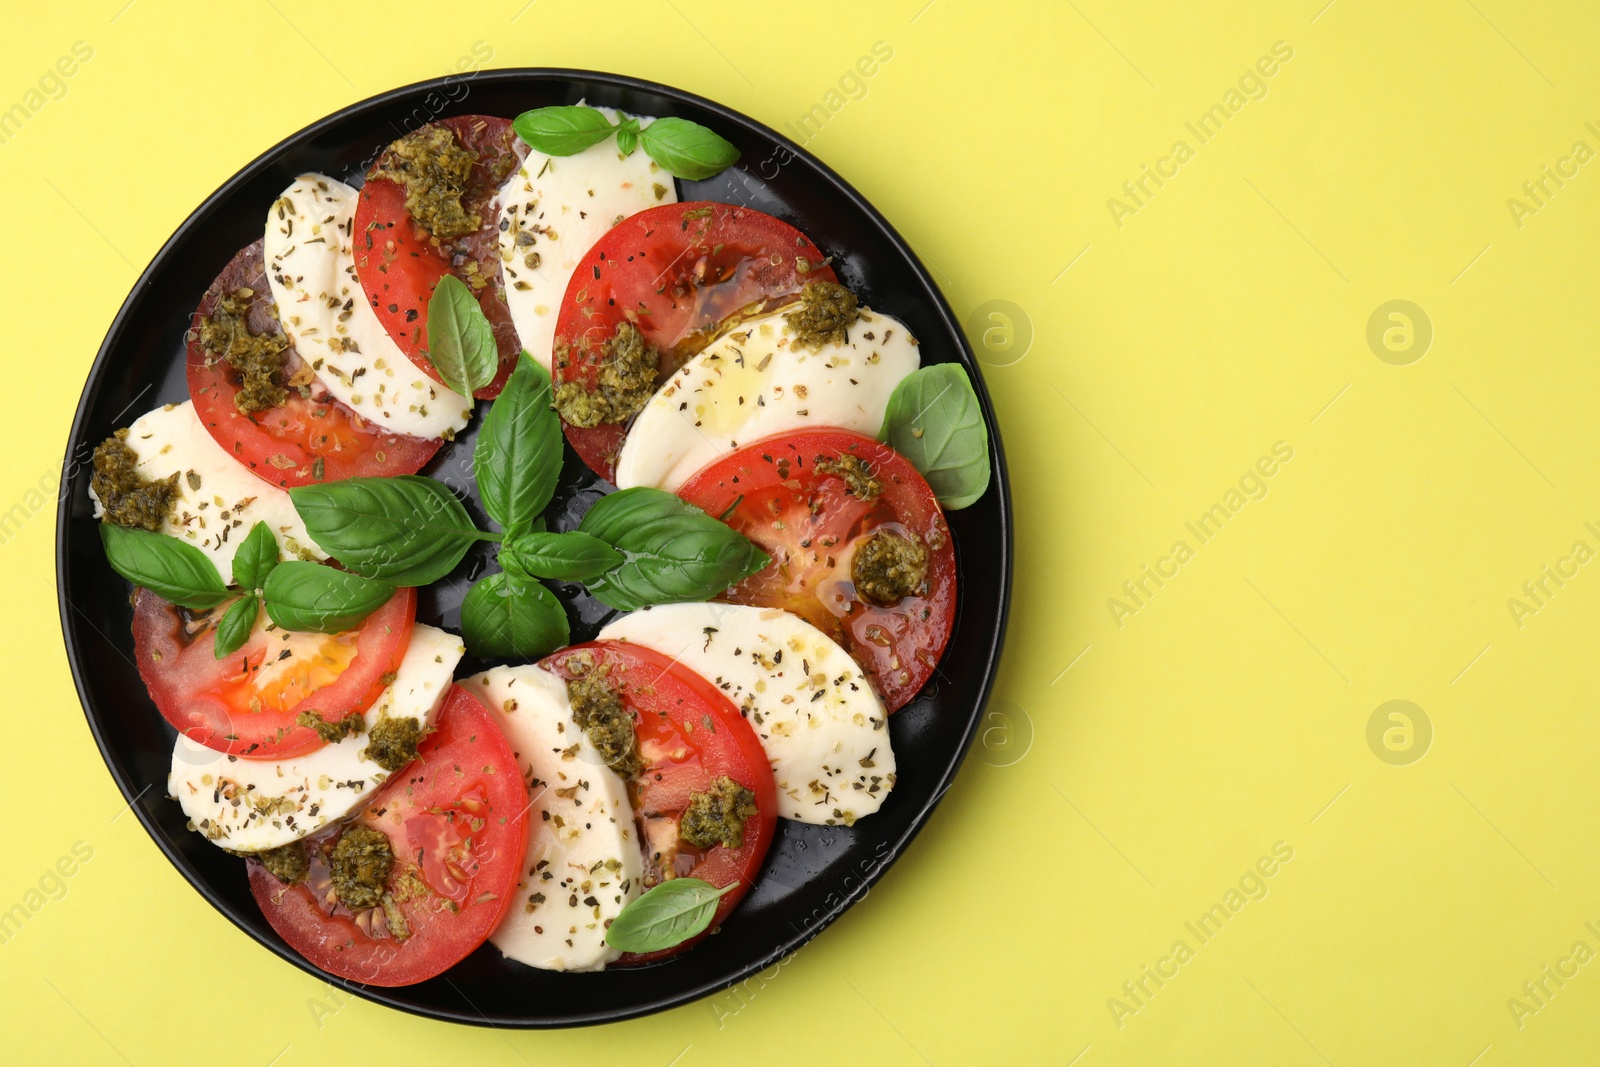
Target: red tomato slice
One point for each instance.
(305, 439)
(681, 273)
(457, 823)
(809, 523)
(398, 263)
(247, 704)
(688, 734)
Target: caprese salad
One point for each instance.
(775, 551)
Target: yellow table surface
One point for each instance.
(1196, 320)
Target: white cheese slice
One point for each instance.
(753, 383)
(311, 268)
(218, 500)
(584, 864)
(823, 728)
(553, 210)
(250, 805)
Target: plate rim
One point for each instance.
(822, 918)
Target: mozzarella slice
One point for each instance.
(250, 805)
(753, 383)
(218, 499)
(553, 210)
(584, 863)
(823, 728)
(311, 268)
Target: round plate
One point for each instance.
(813, 873)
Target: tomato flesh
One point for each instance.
(809, 523)
(689, 735)
(305, 439)
(247, 704)
(398, 263)
(456, 819)
(681, 273)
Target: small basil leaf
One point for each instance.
(312, 597)
(568, 557)
(562, 131)
(504, 616)
(518, 454)
(667, 915)
(407, 530)
(628, 136)
(256, 556)
(174, 570)
(234, 629)
(934, 420)
(460, 339)
(686, 148)
(672, 551)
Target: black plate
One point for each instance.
(813, 873)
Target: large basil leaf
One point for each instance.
(672, 551)
(320, 599)
(234, 629)
(460, 339)
(407, 530)
(254, 559)
(174, 570)
(569, 557)
(504, 616)
(935, 422)
(562, 131)
(518, 455)
(667, 915)
(687, 149)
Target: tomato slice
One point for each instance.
(398, 262)
(688, 735)
(681, 273)
(247, 704)
(310, 437)
(811, 525)
(456, 821)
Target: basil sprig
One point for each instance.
(460, 340)
(518, 455)
(682, 148)
(297, 595)
(934, 420)
(672, 551)
(667, 915)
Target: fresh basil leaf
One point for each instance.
(562, 131)
(569, 557)
(667, 915)
(628, 135)
(237, 622)
(407, 530)
(174, 570)
(672, 551)
(460, 339)
(934, 420)
(256, 556)
(686, 148)
(518, 454)
(313, 597)
(507, 616)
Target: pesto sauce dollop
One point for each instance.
(258, 357)
(626, 382)
(289, 863)
(359, 865)
(598, 710)
(433, 169)
(393, 742)
(855, 472)
(827, 310)
(888, 568)
(716, 816)
(129, 498)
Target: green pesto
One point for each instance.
(855, 472)
(360, 864)
(888, 567)
(716, 816)
(627, 380)
(331, 732)
(130, 499)
(827, 310)
(600, 714)
(287, 863)
(258, 357)
(433, 170)
(393, 742)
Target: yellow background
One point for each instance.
(1110, 803)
